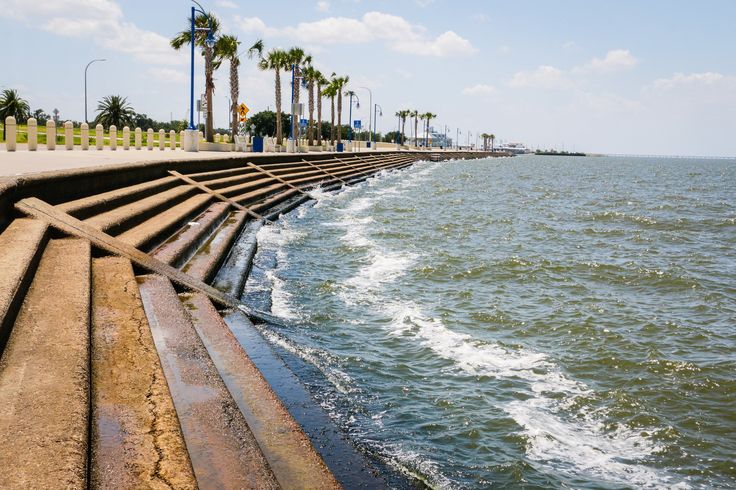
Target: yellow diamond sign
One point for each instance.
(243, 110)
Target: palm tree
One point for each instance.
(340, 82)
(493, 138)
(11, 104)
(227, 49)
(403, 114)
(298, 60)
(310, 75)
(331, 91)
(184, 37)
(115, 110)
(276, 60)
(428, 116)
(320, 81)
(415, 115)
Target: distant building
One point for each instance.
(436, 140)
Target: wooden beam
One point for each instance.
(276, 177)
(323, 171)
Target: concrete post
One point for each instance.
(69, 135)
(161, 139)
(149, 139)
(138, 138)
(10, 133)
(32, 134)
(84, 135)
(181, 139)
(99, 136)
(50, 135)
(113, 132)
(172, 140)
(217, 137)
(190, 140)
(126, 138)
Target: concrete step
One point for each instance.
(242, 177)
(274, 199)
(155, 230)
(135, 438)
(99, 203)
(204, 263)
(289, 452)
(122, 218)
(258, 194)
(231, 277)
(22, 244)
(240, 188)
(220, 174)
(180, 247)
(44, 375)
(223, 451)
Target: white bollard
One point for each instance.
(149, 139)
(126, 138)
(217, 137)
(99, 136)
(50, 135)
(32, 134)
(138, 138)
(84, 135)
(181, 139)
(172, 140)
(113, 131)
(161, 139)
(10, 133)
(69, 135)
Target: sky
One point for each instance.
(622, 77)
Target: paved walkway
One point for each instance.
(25, 162)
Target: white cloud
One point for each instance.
(692, 79)
(99, 20)
(544, 76)
(323, 6)
(615, 60)
(482, 18)
(479, 89)
(396, 31)
(226, 4)
(169, 75)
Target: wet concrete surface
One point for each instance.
(222, 449)
(136, 441)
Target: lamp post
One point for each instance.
(370, 104)
(85, 86)
(350, 115)
(457, 138)
(376, 107)
(191, 144)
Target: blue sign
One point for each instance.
(356, 124)
(303, 123)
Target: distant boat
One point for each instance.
(513, 148)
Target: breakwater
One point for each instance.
(126, 351)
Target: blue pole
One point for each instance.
(291, 132)
(191, 79)
(350, 120)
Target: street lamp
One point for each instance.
(457, 138)
(370, 104)
(85, 86)
(375, 120)
(350, 114)
(210, 43)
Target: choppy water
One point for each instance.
(532, 321)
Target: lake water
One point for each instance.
(537, 322)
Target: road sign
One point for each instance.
(356, 124)
(243, 110)
(303, 123)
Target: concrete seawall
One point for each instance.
(127, 358)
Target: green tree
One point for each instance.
(320, 81)
(402, 115)
(415, 115)
(265, 122)
(331, 91)
(183, 38)
(340, 83)
(493, 139)
(227, 49)
(311, 75)
(115, 110)
(276, 60)
(12, 104)
(428, 116)
(299, 60)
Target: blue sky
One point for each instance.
(654, 77)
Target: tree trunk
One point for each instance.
(332, 121)
(279, 131)
(416, 131)
(209, 89)
(319, 114)
(311, 113)
(339, 117)
(234, 94)
(295, 117)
